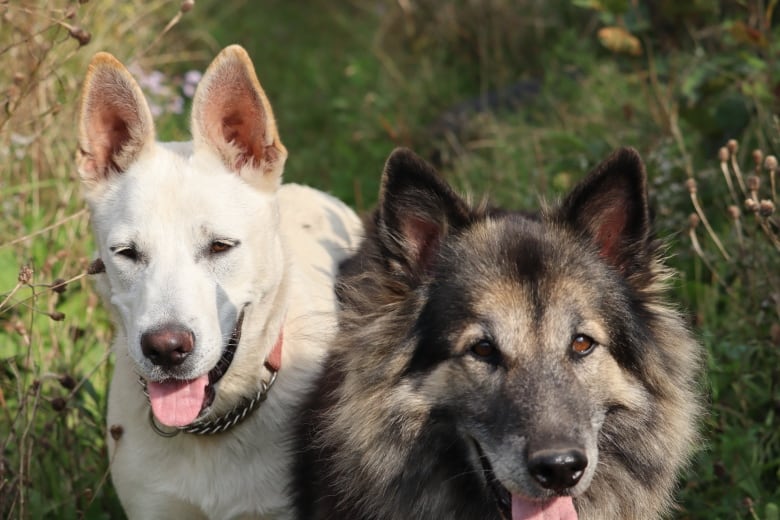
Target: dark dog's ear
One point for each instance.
(610, 207)
(417, 209)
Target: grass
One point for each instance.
(514, 99)
(54, 336)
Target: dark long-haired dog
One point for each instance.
(498, 365)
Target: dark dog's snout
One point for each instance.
(167, 346)
(557, 469)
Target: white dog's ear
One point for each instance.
(232, 117)
(115, 124)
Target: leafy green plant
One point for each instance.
(54, 337)
(735, 233)
(727, 81)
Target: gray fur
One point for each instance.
(406, 407)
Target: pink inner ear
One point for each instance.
(422, 237)
(108, 131)
(609, 232)
(246, 136)
(116, 134)
(235, 120)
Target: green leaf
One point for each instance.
(771, 512)
(9, 270)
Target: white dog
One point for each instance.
(221, 282)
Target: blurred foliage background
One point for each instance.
(513, 99)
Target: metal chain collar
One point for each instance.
(218, 424)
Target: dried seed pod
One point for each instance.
(80, 35)
(187, 5)
(97, 266)
(766, 208)
(19, 327)
(691, 185)
(67, 381)
(25, 274)
(733, 146)
(770, 163)
(753, 183)
(59, 285)
(56, 316)
(59, 404)
(733, 212)
(116, 431)
(758, 157)
(751, 205)
(723, 154)
(693, 220)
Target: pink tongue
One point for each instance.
(177, 403)
(561, 508)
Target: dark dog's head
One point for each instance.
(535, 339)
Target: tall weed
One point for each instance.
(53, 336)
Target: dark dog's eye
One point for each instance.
(130, 252)
(485, 350)
(582, 344)
(220, 246)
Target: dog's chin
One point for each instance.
(516, 506)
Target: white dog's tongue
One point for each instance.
(560, 508)
(177, 403)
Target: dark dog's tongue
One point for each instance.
(560, 508)
(177, 403)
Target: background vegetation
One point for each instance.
(514, 98)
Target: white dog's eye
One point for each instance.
(128, 251)
(221, 246)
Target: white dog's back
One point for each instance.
(319, 229)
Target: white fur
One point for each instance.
(171, 201)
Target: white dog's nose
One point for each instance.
(168, 346)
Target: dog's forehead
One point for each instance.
(176, 190)
(528, 251)
(522, 269)
(503, 247)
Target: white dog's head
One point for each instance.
(188, 233)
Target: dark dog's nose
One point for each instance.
(167, 346)
(557, 469)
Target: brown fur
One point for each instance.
(391, 430)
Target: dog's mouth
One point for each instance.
(512, 506)
(178, 402)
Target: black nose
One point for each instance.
(167, 346)
(557, 469)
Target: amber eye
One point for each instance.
(484, 349)
(582, 344)
(220, 246)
